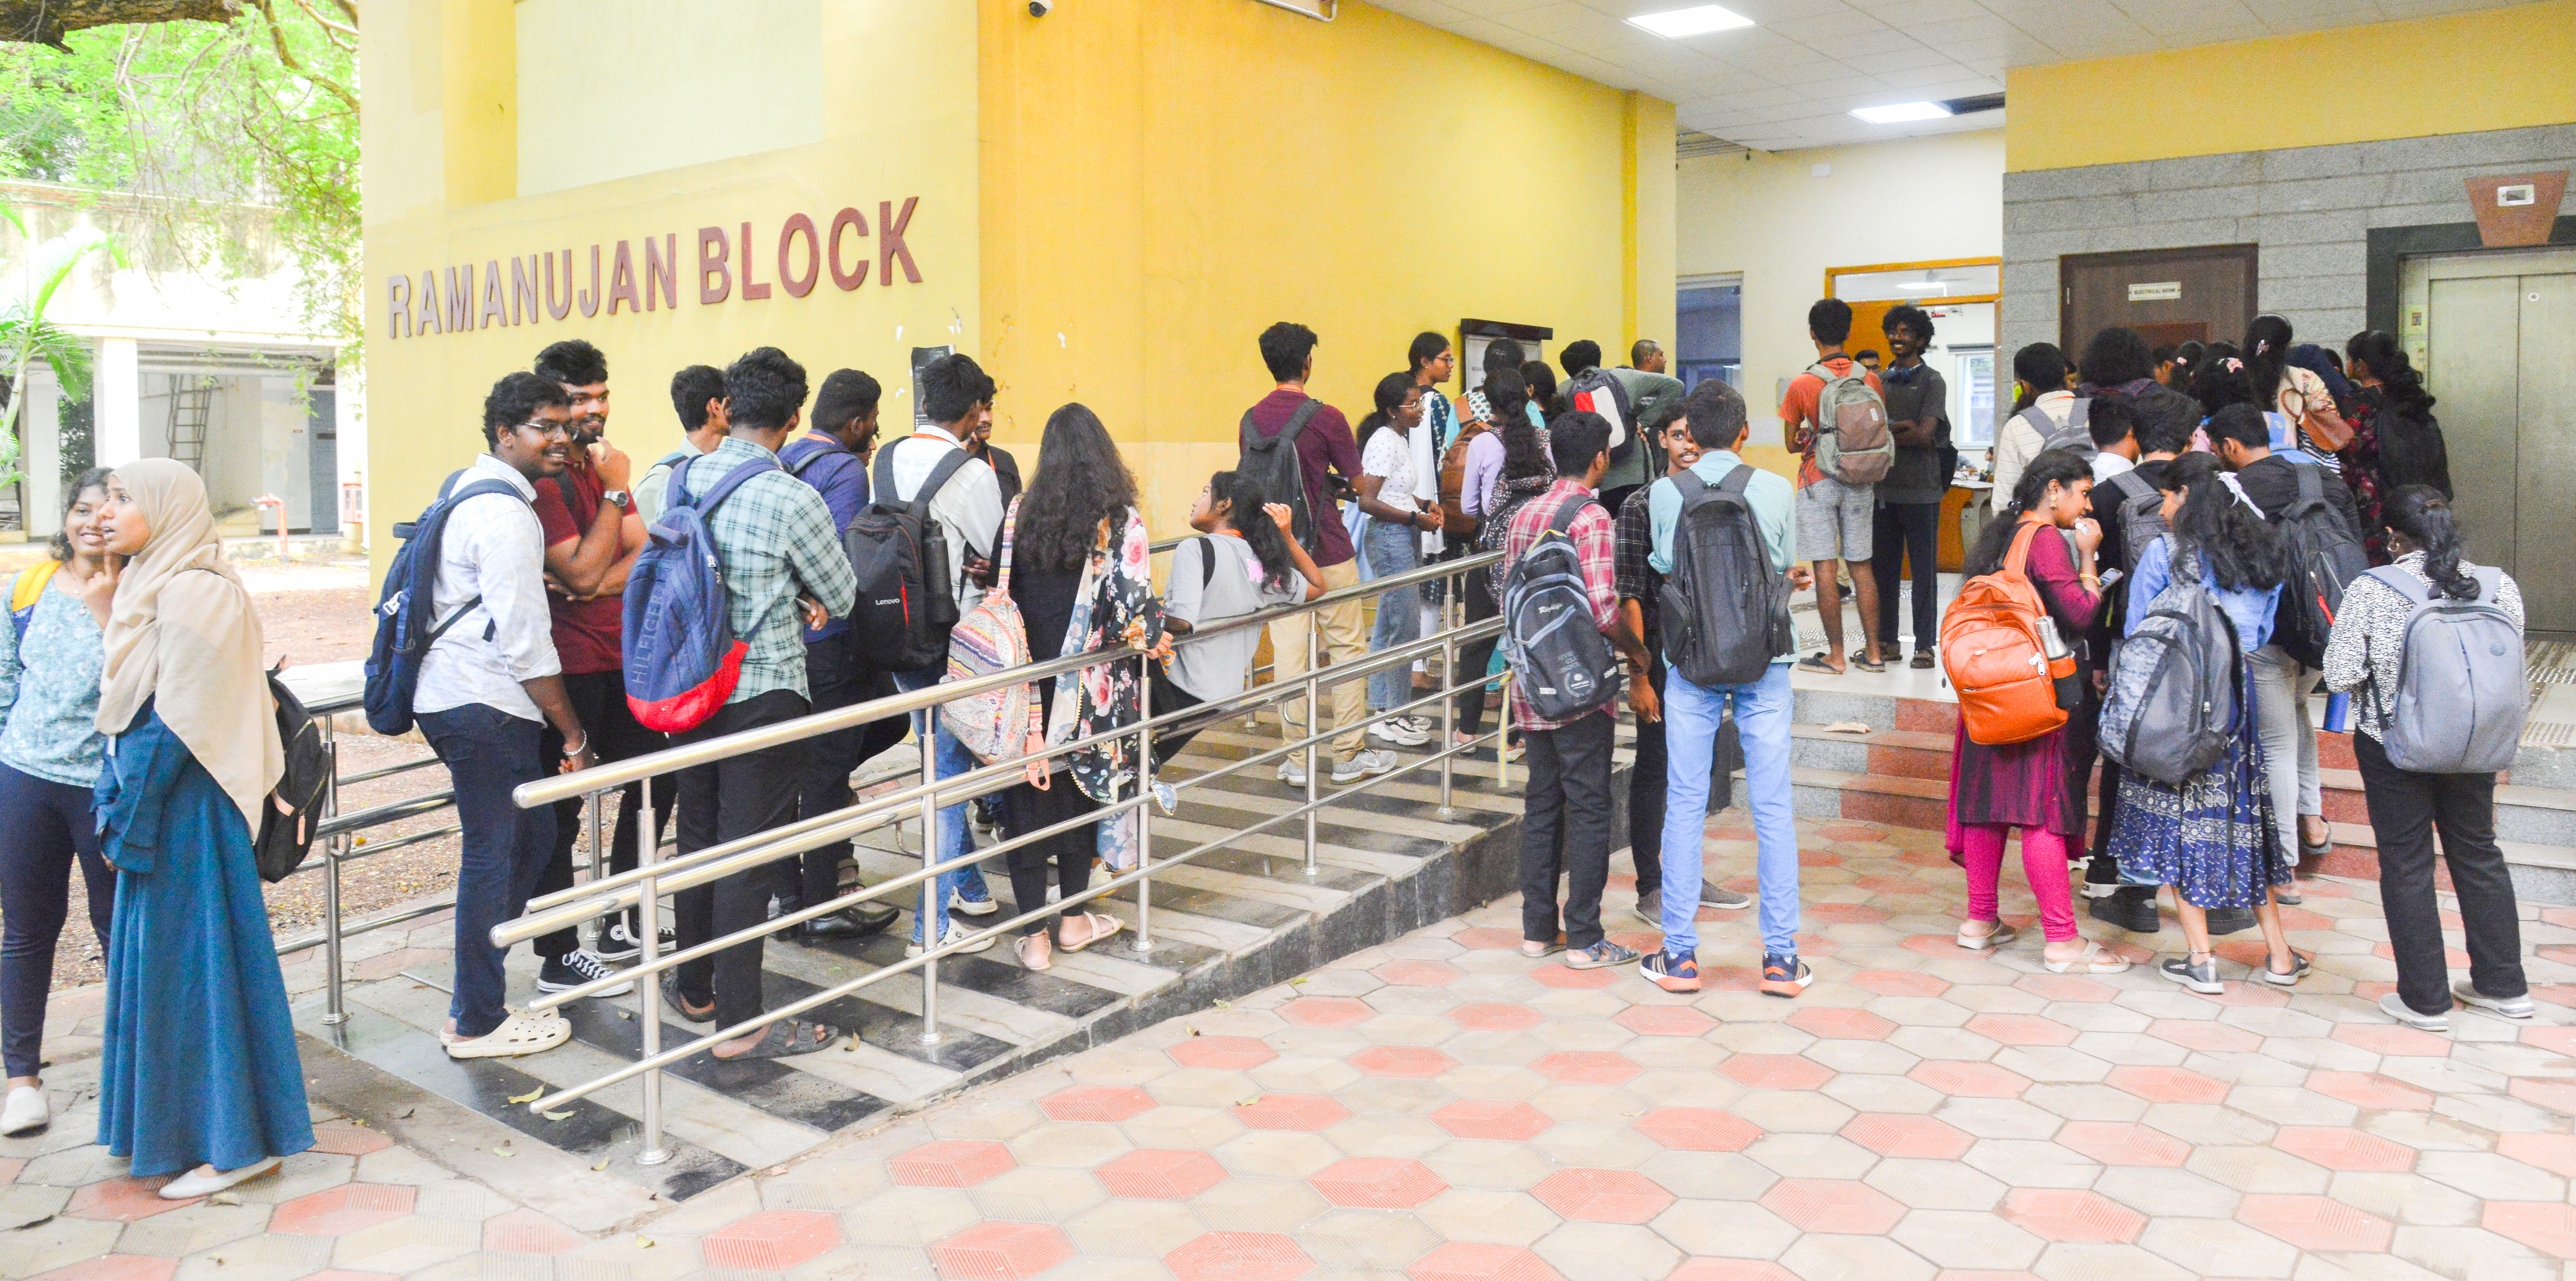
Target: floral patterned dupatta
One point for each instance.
(1114, 606)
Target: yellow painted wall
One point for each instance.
(2494, 69)
(1161, 181)
(442, 166)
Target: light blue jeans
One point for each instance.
(950, 759)
(1762, 715)
(1393, 549)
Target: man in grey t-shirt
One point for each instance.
(1907, 533)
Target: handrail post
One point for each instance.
(1314, 720)
(335, 1010)
(589, 930)
(1146, 775)
(927, 730)
(1448, 709)
(648, 995)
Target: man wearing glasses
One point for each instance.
(490, 687)
(592, 537)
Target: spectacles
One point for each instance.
(546, 428)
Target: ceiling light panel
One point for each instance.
(1902, 113)
(1679, 24)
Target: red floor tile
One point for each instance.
(113, 1267)
(1698, 1129)
(2557, 1096)
(1292, 1112)
(1664, 1020)
(1495, 1018)
(771, 1241)
(2315, 1222)
(528, 1232)
(1466, 1261)
(1481, 938)
(1413, 1062)
(121, 1200)
(348, 1138)
(2123, 1143)
(1586, 1067)
(2167, 1084)
(956, 1163)
(2065, 987)
(1161, 1175)
(2549, 1227)
(2560, 1039)
(342, 1210)
(1835, 1023)
(1492, 1119)
(2021, 1029)
(1096, 1103)
(2555, 1153)
(1776, 1071)
(2373, 1092)
(1602, 1196)
(1225, 1053)
(1239, 1256)
(1850, 832)
(1378, 1182)
(1730, 1270)
(1904, 1135)
(1563, 979)
(2340, 1148)
(1847, 913)
(2070, 1215)
(1890, 884)
(2389, 1038)
(1327, 1011)
(1833, 1205)
(1001, 1251)
(1418, 973)
(1967, 1080)
(1899, 983)
(2208, 1035)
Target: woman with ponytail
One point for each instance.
(2366, 654)
(2396, 441)
(2212, 838)
(2043, 380)
(2285, 388)
(2029, 785)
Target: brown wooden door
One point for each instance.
(2167, 295)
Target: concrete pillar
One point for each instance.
(116, 389)
(42, 429)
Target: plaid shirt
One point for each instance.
(1632, 545)
(774, 535)
(1591, 533)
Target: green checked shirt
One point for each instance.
(774, 535)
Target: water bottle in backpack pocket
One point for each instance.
(2462, 694)
(1996, 653)
(405, 628)
(1560, 660)
(682, 659)
(2171, 707)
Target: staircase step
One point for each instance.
(1894, 752)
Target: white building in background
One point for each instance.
(220, 373)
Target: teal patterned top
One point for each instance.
(49, 691)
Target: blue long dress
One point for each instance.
(199, 1064)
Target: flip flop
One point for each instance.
(1816, 663)
(799, 1037)
(1860, 659)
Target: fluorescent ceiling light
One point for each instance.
(1677, 23)
(1928, 286)
(1902, 112)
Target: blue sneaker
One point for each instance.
(1784, 975)
(1671, 971)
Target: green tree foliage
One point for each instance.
(261, 111)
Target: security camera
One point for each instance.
(1041, 8)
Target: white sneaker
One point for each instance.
(1398, 732)
(28, 1109)
(520, 1033)
(1366, 764)
(576, 969)
(206, 1180)
(984, 944)
(1292, 771)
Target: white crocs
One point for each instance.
(519, 1033)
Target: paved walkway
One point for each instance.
(1442, 1109)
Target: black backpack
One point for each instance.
(2170, 709)
(1595, 390)
(1558, 655)
(2325, 556)
(405, 628)
(2140, 510)
(907, 600)
(294, 807)
(1271, 462)
(1725, 610)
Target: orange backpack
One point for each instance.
(1994, 647)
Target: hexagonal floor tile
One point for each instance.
(1586, 1067)
(1292, 1112)
(1002, 1251)
(1376, 1182)
(1776, 1071)
(1698, 1129)
(1903, 1135)
(1239, 1256)
(2168, 1084)
(2315, 1222)
(1468, 1261)
(342, 1210)
(2072, 1215)
(2548, 1227)
(2340, 1148)
(1969, 1079)
(1327, 1011)
(1602, 1196)
(1225, 1053)
(2124, 1143)
(2022, 1029)
(1730, 1270)
(1410, 1062)
(120, 1200)
(1833, 1205)
(1418, 973)
(1160, 1174)
(2370, 1091)
(2555, 1153)
(1664, 1020)
(1096, 1103)
(773, 1240)
(1492, 1119)
(950, 1163)
(1841, 1024)
(1899, 982)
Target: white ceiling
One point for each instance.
(1792, 79)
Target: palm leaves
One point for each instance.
(27, 338)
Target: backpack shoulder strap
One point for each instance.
(1247, 431)
(1570, 512)
(820, 452)
(30, 584)
(1688, 484)
(729, 482)
(2082, 413)
(2131, 485)
(1298, 419)
(2017, 560)
(2396, 579)
(939, 474)
(2312, 485)
(1207, 560)
(1737, 480)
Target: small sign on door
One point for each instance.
(2156, 291)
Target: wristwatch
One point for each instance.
(619, 499)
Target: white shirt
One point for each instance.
(2107, 465)
(968, 508)
(2018, 442)
(493, 549)
(1390, 458)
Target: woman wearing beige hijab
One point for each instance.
(199, 1072)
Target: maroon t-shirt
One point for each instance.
(1324, 445)
(586, 632)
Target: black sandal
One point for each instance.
(686, 1008)
(775, 1044)
(1922, 660)
(1816, 663)
(1860, 659)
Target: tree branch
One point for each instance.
(46, 22)
(327, 24)
(286, 56)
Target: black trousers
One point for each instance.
(1474, 655)
(46, 828)
(1904, 533)
(599, 699)
(725, 801)
(2405, 810)
(1026, 809)
(834, 680)
(1565, 828)
(1164, 698)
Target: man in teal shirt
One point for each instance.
(1692, 714)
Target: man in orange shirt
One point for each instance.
(1835, 519)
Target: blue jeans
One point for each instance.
(1762, 716)
(950, 759)
(488, 752)
(1394, 549)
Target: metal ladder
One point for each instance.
(192, 403)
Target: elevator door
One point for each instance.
(2497, 337)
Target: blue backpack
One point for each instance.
(404, 628)
(682, 658)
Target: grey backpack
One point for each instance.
(2076, 437)
(2171, 707)
(1554, 645)
(2460, 697)
(2140, 509)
